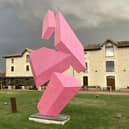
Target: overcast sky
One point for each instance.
(92, 20)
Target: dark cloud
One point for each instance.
(116, 31)
(93, 21)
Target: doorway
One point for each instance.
(110, 82)
(85, 81)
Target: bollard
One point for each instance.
(13, 104)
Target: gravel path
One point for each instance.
(104, 92)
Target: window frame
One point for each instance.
(27, 68)
(27, 58)
(86, 63)
(12, 60)
(108, 46)
(12, 68)
(108, 68)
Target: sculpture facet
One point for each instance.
(57, 95)
(45, 61)
(49, 25)
(67, 41)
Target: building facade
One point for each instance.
(18, 67)
(107, 65)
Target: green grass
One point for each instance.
(86, 111)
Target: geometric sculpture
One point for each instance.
(48, 65)
(45, 61)
(66, 41)
(49, 25)
(51, 103)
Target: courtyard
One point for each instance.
(87, 111)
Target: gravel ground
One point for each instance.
(105, 92)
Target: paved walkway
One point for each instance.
(104, 92)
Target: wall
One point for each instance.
(19, 67)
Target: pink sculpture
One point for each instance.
(66, 41)
(46, 63)
(58, 93)
(49, 25)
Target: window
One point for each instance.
(12, 60)
(12, 68)
(85, 54)
(85, 81)
(109, 50)
(27, 68)
(86, 67)
(27, 58)
(110, 66)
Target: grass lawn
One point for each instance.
(86, 111)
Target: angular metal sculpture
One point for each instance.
(48, 65)
(45, 61)
(49, 25)
(57, 95)
(66, 41)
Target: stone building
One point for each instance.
(107, 65)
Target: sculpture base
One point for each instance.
(61, 119)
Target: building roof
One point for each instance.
(123, 44)
(18, 54)
(92, 47)
(118, 44)
(88, 47)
